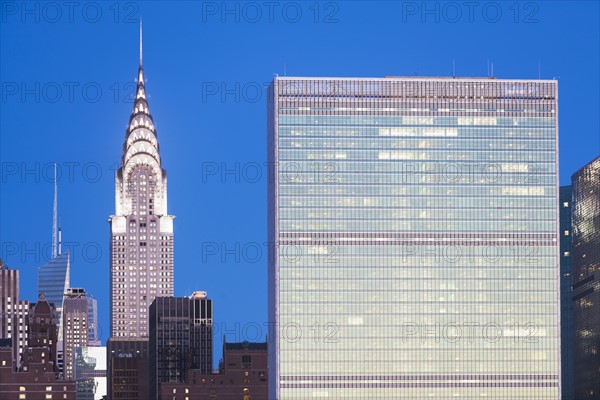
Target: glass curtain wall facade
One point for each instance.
(566, 296)
(54, 278)
(586, 280)
(415, 227)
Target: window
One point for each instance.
(566, 204)
(567, 233)
(246, 362)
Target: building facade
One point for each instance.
(75, 327)
(415, 227)
(13, 312)
(242, 376)
(54, 278)
(180, 338)
(586, 280)
(141, 230)
(566, 296)
(37, 377)
(127, 374)
(94, 339)
(90, 372)
(33, 384)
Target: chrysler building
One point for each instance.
(141, 242)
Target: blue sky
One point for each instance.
(67, 74)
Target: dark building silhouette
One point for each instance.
(180, 338)
(566, 297)
(127, 361)
(242, 376)
(38, 375)
(586, 281)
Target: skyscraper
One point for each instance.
(54, 278)
(90, 372)
(141, 230)
(586, 280)
(180, 339)
(94, 339)
(75, 327)
(415, 226)
(566, 296)
(13, 312)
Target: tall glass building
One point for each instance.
(415, 226)
(54, 278)
(586, 281)
(566, 296)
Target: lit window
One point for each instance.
(566, 254)
(566, 233)
(566, 204)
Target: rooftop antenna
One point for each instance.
(492, 69)
(453, 70)
(140, 41)
(488, 68)
(55, 219)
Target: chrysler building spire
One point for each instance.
(141, 229)
(140, 42)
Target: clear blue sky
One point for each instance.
(66, 75)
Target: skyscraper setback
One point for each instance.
(141, 243)
(416, 226)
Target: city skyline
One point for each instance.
(187, 123)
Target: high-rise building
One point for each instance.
(141, 242)
(566, 296)
(90, 372)
(180, 338)
(415, 226)
(13, 312)
(75, 327)
(94, 339)
(242, 375)
(586, 280)
(54, 278)
(9, 296)
(41, 349)
(127, 374)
